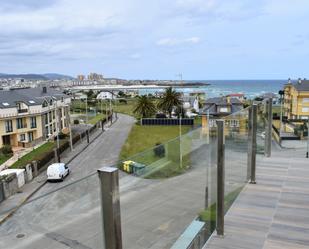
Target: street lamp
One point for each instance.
(281, 93)
(307, 153)
(57, 121)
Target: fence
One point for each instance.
(167, 121)
(175, 197)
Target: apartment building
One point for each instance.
(31, 115)
(296, 99)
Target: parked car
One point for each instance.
(57, 171)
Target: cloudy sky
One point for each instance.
(157, 39)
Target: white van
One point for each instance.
(57, 171)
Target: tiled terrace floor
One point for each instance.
(274, 213)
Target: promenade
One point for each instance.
(274, 213)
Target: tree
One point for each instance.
(170, 100)
(144, 107)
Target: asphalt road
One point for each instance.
(154, 212)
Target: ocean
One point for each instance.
(251, 88)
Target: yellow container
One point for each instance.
(127, 166)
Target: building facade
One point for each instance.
(29, 116)
(296, 99)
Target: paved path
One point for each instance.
(274, 214)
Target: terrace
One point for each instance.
(186, 194)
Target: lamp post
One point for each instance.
(307, 153)
(281, 93)
(57, 121)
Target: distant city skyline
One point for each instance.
(202, 39)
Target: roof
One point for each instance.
(211, 105)
(29, 96)
(223, 101)
(236, 95)
(302, 86)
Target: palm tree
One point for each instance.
(170, 99)
(144, 107)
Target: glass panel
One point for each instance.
(169, 194)
(67, 218)
(236, 154)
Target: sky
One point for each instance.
(156, 39)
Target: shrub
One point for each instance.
(123, 101)
(7, 150)
(159, 150)
(76, 121)
(160, 115)
(61, 136)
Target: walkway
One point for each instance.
(274, 213)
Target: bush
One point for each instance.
(61, 136)
(159, 150)
(6, 150)
(76, 121)
(160, 115)
(123, 101)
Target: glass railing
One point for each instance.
(68, 216)
(166, 192)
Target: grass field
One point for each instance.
(4, 158)
(36, 154)
(96, 119)
(142, 138)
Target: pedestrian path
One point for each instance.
(274, 213)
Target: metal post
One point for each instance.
(102, 124)
(110, 208)
(220, 178)
(69, 124)
(110, 110)
(307, 153)
(87, 133)
(268, 135)
(56, 155)
(206, 197)
(253, 143)
(249, 143)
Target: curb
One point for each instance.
(12, 211)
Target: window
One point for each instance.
(33, 122)
(8, 126)
(20, 123)
(22, 137)
(305, 109)
(223, 109)
(45, 104)
(50, 116)
(305, 100)
(234, 123)
(30, 136)
(46, 118)
(46, 132)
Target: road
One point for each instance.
(154, 212)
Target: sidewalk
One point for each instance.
(10, 205)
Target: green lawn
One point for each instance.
(4, 158)
(125, 108)
(36, 154)
(96, 119)
(142, 138)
